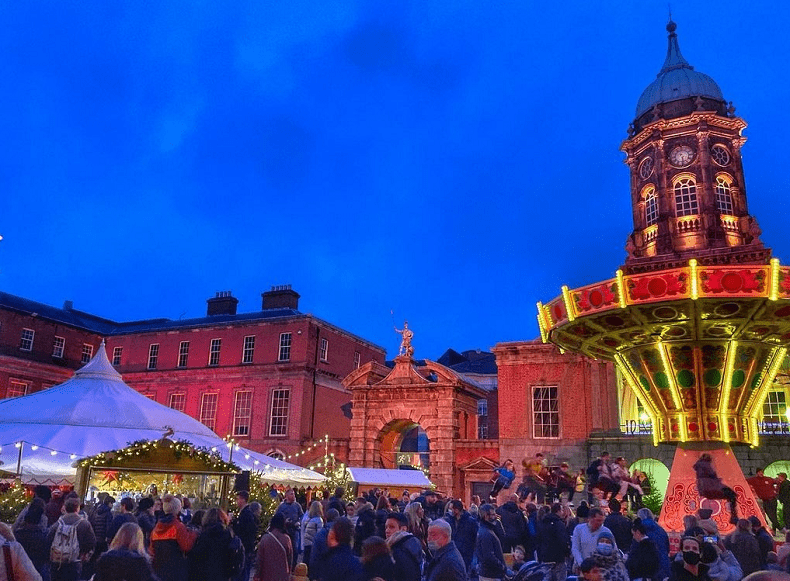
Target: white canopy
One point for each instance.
(95, 411)
(383, 477)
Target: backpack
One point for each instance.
(235, 562)
(65, 545)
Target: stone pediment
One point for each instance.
(407, 371)
(480, 463)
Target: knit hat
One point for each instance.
(605, 535)
(171, 505)
(145, 503)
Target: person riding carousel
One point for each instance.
(711, 486)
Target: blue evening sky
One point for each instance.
(452, 161)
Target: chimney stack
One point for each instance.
(280, 297)
(68, 305)
(223, 303)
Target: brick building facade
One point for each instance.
(270, 379)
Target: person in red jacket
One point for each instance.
(766, 490)
(171, 540)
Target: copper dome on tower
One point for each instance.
(677, 80)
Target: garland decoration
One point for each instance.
(144, 448)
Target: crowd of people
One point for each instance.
(536, 533)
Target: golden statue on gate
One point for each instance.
(405, 342)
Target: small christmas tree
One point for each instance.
(12, 501)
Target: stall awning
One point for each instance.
(382, 477)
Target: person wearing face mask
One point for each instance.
(446, 562)
(689, 568)
(609, 559)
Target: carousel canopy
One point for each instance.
(95, 411)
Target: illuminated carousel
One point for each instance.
(698, 319)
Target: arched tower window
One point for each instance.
(723, 194)
(686, 203)
(651, 205)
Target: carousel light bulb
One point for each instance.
(214, 449)
(257, 462)
(246, 456)
(229, 445)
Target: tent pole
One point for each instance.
(19, 460)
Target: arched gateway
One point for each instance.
(411, 416)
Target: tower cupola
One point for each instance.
(688, 193)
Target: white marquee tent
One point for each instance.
(95, 411)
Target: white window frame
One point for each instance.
(17, 388)
(209, 402)
(248, 352)
(775, 406)
(178, 402)
(242, 412)
(183, 354)
(27, 339)
(686, 202)
(58, 347)
(357, 359)
(214, 352)
(278, 416)
(286, 340)
(87, 352)
(117, 354)
(323, 352)
(544, 411)
(153, 355)
(724, 196)
(651, 207)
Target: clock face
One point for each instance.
(719, 154)
(681, 156)
(646, 168)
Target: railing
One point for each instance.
(688, 224)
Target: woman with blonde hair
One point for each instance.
(127, 559)
(315, 522)
(418, 524)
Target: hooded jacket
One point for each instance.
(407, 553)
(170, 541)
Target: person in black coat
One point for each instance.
(643, 559)
(127, 559)
(365, 527)
(464, 528)
(446, 562)
(33, 538)
(382, 510)
(145, 518)
(405, 547)
(619, 524)
(377, 560)
(208, 559)
(554, 544)
(320, 550)
(341, 563)
(488, 549)
(514, 524)
(124, 516)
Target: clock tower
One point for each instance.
(687, 187)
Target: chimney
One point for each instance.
(68, 305)
(223, 303)
(280, 297)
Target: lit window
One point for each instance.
(242, 412)
(249, 349)
(357, 359)
(17, 388)
(213, 356)
(87, 352)
(208, 409)
(723, 196)
(775, 407)
(26, 342)
(178, 401)
(285, 347)
(651, 206)
(117, 353)
(686, 197)
(278, 425)
(153, 355)
(324, 349)
(183, 353)
(545, 412)
(58, 347)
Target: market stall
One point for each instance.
(45, 435)
(364, 479)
